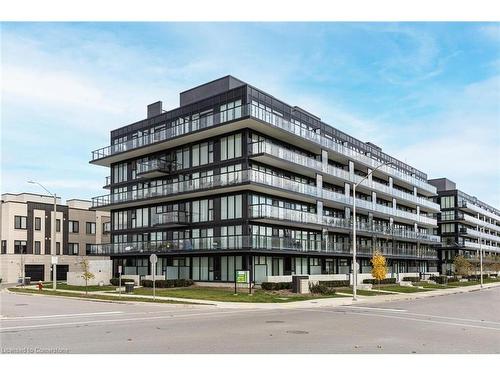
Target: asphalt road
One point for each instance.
(459, 323)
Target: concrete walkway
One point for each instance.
(314, 303)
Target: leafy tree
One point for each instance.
(379, 266)
(462, 266)
(86, 274)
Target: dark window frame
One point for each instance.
(19, 220)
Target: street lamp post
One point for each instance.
(481, 253)
(53, 233)
(354, 262)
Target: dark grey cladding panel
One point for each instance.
(155, 109)
(443, 184)
(209, 89)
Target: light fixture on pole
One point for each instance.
(481, 253)
(53, 234)
(354, 262)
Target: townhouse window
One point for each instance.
(203, 153)
(182, 157)
(38, 247)
(20, 247)
(106, 227)
(202, 210)
(90, 227)
(4, 246)
(58, 225)
(58, 248)
(74, 226)
(120, 219)
(447, 228)
(231, 207)
(38, 223)
(88, 248)
(73, 248)
(20, 222)
(230, 147)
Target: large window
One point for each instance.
(120, 173)
(182, 157)
(38, 246)
(140, 217)
(120, 220)
(203, 153)
(58, 248)
(38, 223)
(230, 147)
(74, 226)
(231, 207)
(90, 227)
(73, 248)
(230, 111)
(202, 210)
(447, 228)
(20, 247)
(58, 225)
(448, 202)
(20, 222)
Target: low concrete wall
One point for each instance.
(101, 270)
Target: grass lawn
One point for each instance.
(91, 288)
(93, 297)
(361, 292)
(433, 286)
(401, 289)
(227, 294)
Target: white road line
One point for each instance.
(59, 316)
(124, 320)
(373, 308)
(416, 319)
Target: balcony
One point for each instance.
(284, 157)
(156, 168)
(153, 142)
(476, 246)
(479, 234)
(474, 220)
(471, 207)
(251, 242)
(170, 219)
(268, 213)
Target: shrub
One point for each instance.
(321, 289)
(453, 279)
(413, 279)
(335, 283)
(390, 280)
(276, 286)
(116, 281)
(167, 283)
(442, 279)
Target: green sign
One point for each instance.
(242, 276)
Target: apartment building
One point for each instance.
(236, 179)
(26, 231)
(464, 223)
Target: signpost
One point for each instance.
(242, 277)
(120, 281)
(54, 260)
(153, 259)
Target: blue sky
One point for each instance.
(427, 93)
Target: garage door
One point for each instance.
(61, 271)
(35, 271)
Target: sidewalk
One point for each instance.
(315, 303)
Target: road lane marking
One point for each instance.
(415, 319)
(5, 329)
(373, 308)
(59, 316)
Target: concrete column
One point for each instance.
(351, 167)
(324, 159)
(347, 213)
(394, 203)
(415, 191)
(370, 175)
(374, 198)
(418, 210)
(347, 189)
(319, 181)
(390, 182)
(319, 210)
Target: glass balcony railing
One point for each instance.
(473, 207)
(170, 218)
(265, 211)
(305, 161)
(256, 242)
(476, 245)
(254, 111)
(476, 221)
(156, 166)
(480, 234)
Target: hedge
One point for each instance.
(335, 283)
(391, 280)
(167, 283)
(442, 279)
(413, 279)
(321, 289)
(116, 281)
(276, 286)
